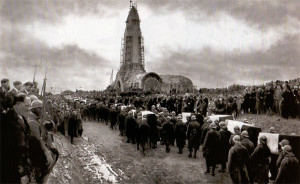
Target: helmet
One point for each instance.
(272, 130)
(284, 142)
(287, 148)
(263, 139)
(236, 128)
(236, 138)
(222, 124)
(245, 134)
(36, 104)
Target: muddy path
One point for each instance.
(102, 156)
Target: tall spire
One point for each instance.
(132, 46)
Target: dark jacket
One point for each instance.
(288, 170)
(224, 145)
(180, 133)
(131, 125)
(248, 144)
(121, 121)
(168, 133)
(194, 135)
(13, 147)
(210, 146)
(143, 133)
(260, 163)
(237, 158)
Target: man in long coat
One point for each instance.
(130, 126)
(210, 148)
(143, 134)
(168, 134)
(289, 167)
(180, 134)
(250, 147)
(154, 134)
(121, 121)
(224, 145)
(193, 135)
(237, 158)
(260, 160)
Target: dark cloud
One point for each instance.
(209, 68)
(67, 65)
(262, 13)
(30, 50)
(52, 11)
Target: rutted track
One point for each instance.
(102, 156)
(80, 163)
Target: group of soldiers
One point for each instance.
(246, 162)
(27, 152)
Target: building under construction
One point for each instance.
(132, 73)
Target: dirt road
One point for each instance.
(102, 156)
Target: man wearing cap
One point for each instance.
(280, 156)
(289, 167)
(246, 142)
(260, 159)
(193, 136)
(237, 131)
(237, 157)
(210, 148)
(180, 134)
(16, 89)
(224, 145)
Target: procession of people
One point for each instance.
(28, 120)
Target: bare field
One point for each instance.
(281, 125)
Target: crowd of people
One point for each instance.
(273, 98)
(154, 121)
(26, 122)
(27, 152)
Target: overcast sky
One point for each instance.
(215, 43)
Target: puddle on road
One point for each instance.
(95, 168)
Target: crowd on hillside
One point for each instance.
(245, 160)
(27, 152)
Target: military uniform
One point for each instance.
(193, 135)
(180, 135)
(237, 158)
